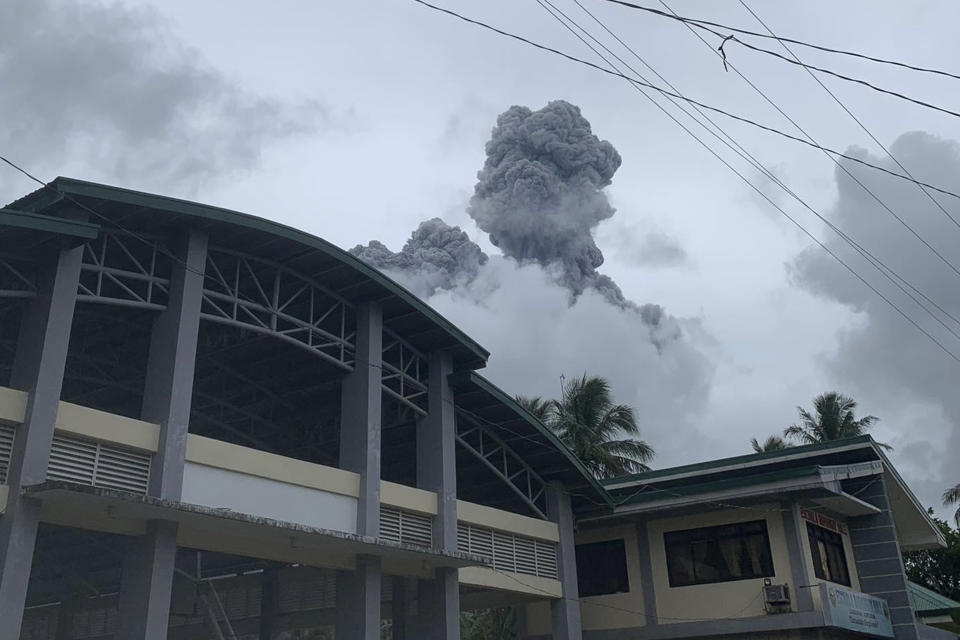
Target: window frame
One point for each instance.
(817, 534)
(622, 544)
(712, 535)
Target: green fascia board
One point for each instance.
(49, 224)
(74, 187)
(469, 378)
(651, 492)
(718, 465)
(930, 603)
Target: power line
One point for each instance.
(840, 165)
(850, 113)
(836, 74)
(699, 23)
(746, 155)
(740, 175)
(702, 105)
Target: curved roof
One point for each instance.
(313, 257)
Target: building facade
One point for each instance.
(216, 426)
(800, 543)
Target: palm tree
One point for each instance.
(593, 427)
(772, 443)
(950, 497)
(834, 419)
(539, 407)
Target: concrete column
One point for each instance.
(358, 601)
(268, 602)
(360, 415)
(170, 367)
(358, 591)
(876, 551)
(798, 566)
(149, 564)
(647, 585)
(37, 369)
(439, 599)
(564, 612)
(146, 583)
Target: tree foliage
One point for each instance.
(593, 427)
(772, 443)
(489, 624)
(937, 569)
(833, 418)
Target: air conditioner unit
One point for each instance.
(776, 594)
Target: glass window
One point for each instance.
(829, 558)
(602, 568)
(718, 554)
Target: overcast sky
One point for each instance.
(356, 121)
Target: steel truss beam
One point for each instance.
(404, 373)
(503, 461)
(122, 270)
(265, 297)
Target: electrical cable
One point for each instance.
(855, 118)
(698, 22)
(839, 165)
(747, 156)
(718, 110)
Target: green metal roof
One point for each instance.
(49, 224)
(649, 492)
(543, 440)
(126, 209)
(719, 464)
(928, 602)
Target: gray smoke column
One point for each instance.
(437, 256)
(539, 194)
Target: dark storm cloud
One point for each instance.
(437, 256)
(885, 356)
(108, 86)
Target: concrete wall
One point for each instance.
(739, 598)
(603, 612)
(257, 496)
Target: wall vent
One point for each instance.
(7, 432)
(98, 465)
(508, 551)
(406, 527)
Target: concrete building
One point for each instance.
(213, 425)
(800, 543)
(216, 426)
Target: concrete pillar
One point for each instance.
(647, 584)
(802, 598)
(37, 369)
(439, 599)
(360, 415)
(358, 601)
(358, 591)
(149, 564)
(170, 367)
(876, 551)
(268, 602)
(147, 582)
(565, 611)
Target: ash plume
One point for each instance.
(539, 194)
(437, 256)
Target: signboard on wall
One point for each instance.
(821, 520)
(855, 611)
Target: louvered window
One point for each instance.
(508, 551)
(7, 431)
(98, 465)
(406, 527)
